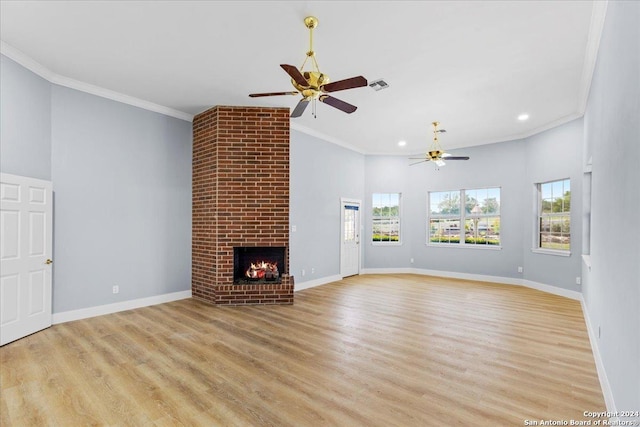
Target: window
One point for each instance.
(386, 218)
(554, 215)
(476, 222)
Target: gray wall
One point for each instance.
(553, 155)
(122, 180)
(515, 167)
(495, 165)
(612, 136)
(321, 173)
(122, 188)
(25, 122)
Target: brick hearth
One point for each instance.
(240, 198)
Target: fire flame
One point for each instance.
(262, 270)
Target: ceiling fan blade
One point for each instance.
(421, 161)
(351, 83)
(302, 105)
(336, 103)
(295, 74)
(257, 95)
(457, 157)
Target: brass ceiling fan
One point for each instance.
(314, 85)
(436, 154)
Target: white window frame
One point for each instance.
(399, 218)
(538, 217)
(462, 217)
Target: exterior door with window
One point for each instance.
(25, 256)
(350, 238)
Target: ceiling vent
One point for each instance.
(378, 85)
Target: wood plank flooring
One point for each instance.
(372, 350)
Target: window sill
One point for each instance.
(550, 252)
(386, 243)
(460, 246)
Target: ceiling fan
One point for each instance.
(314, 85)
(436, 154)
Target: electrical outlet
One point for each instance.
(578, 280)
(313, 270)
(115, 289)
(520, 269)
(303, 272)
(411, 260)
(294, 228)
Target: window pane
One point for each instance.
(491, 204)
(377, 229)
(349, 225)
(386, 217)
(482, 201)
(394, 230)
(434, 201)
(449, 203)
(545, 225)
(444, 231)
(482, 231)
(376, 201)
(554, 241)
(545, 191)
(471, 203)
(557, 189)
(384, 230)
(555, 219)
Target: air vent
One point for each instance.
(378, 85)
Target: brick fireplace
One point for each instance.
(240, 200)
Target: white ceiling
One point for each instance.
(472, 65)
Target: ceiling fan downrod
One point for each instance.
(311, 22)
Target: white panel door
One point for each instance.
(350, 238)
(25, 256)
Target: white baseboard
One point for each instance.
(84, 313)
(389, 271)
(317, 282)
(550, 289)
(602, 374)
(480, 278)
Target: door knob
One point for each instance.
(48, 261)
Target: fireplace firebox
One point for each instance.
(259, 264)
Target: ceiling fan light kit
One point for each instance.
(314, 85)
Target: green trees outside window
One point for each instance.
(386, 217)
(554, 215)
(464, 217)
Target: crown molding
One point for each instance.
(54, 78)
(325, 137)
(598, 14)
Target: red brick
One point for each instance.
(237, 153)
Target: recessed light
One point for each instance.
(523, 117)
(402, 143)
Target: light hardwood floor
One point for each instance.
(373, 350)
